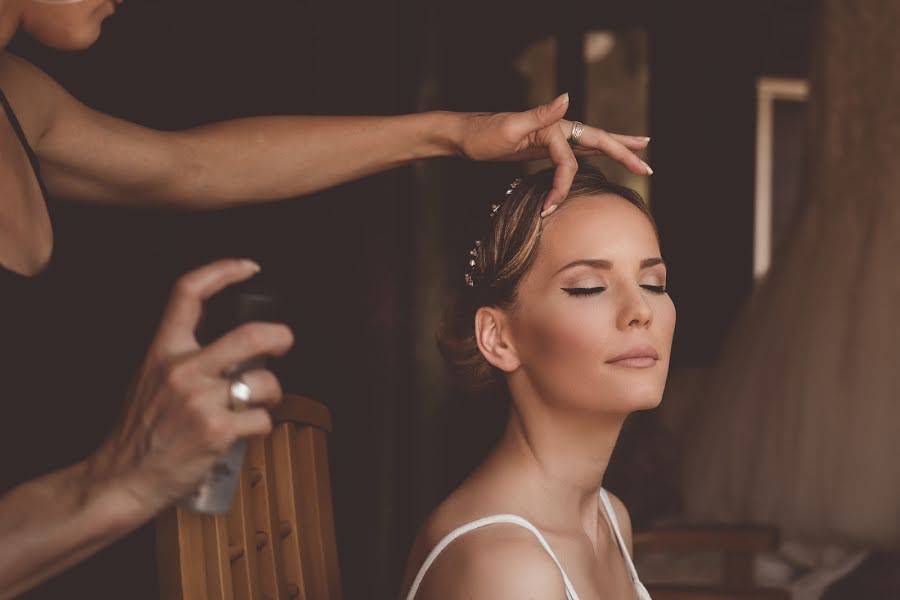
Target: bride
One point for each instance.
(567, 312)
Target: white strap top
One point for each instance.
(640, 590)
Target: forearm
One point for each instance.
(269, 158)
(51, 523)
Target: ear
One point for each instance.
(494, 338)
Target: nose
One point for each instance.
(634, 311)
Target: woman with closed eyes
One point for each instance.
(568, 314)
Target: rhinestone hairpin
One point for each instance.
(473, 253)
(473, 260)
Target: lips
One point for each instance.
(639, 357)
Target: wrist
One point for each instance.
(113, 494)
(444, 133)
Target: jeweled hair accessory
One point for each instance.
(473, 253)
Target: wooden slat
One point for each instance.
(309, 517)
(240, 577)
(274, 517)
(262, 510)
(241, 530)
(326, 515)
(169, 555)
(286, 499)
(222, 549)
(192, 542)
(209, 554)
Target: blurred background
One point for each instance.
(726, 90)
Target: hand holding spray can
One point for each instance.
(231, 308)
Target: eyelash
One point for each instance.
(594, 291)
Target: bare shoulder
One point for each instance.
(34, 95)
(623, 518)
(498, 562)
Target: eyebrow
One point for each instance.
(599, 263)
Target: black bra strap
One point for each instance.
(17, 127)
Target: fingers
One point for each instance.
(238, 346)
(186, 302)
(615, 145)
(542, 116)
(566, 167)
(221, 422)
(265, 390)
(221, 430)
(584, 152)
(256, 421)
(597, 139)
(632, 142)
(229, 423)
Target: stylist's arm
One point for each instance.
(177, 423)
(87, 156)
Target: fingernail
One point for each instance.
(549, 210)
(644, 138)
(564, 99)
(252, 265)
(646, 166)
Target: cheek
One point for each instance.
(561, 342)
(665, 317)
(564, 351)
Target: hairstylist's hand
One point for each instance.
(543, 132)
(178, 421)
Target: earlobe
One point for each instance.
(494, 340)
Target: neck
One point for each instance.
(555, 459)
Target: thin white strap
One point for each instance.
(604, 497)
(570, 591)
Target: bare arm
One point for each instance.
(51, 523)
(176, 425)
(224, 164)
(92, 157)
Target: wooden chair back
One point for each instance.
(278, 540)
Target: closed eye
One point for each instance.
(656, 289)
(592, 291)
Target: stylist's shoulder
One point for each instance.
(33, 94)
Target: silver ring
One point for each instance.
(577, 130)
(239, 395)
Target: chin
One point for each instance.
(80, 39)
(623, 400)
(638, 396)
(66, 27)
(646, 403)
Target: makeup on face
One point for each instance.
(594, 286)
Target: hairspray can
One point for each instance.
(242, 303)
